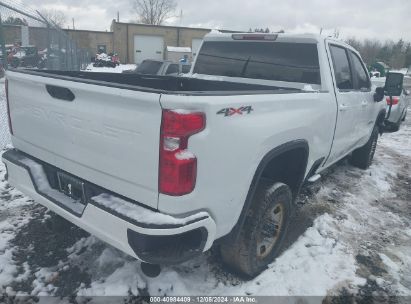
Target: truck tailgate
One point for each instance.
(107, 136)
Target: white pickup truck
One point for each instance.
(164, 167)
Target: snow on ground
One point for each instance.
(15, 213)
(351, 234)
(118, 69)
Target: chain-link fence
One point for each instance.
(29, 39)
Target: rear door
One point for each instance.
(108, 136)
(347, 132)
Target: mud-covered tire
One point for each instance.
(262, 235)
(362, 157)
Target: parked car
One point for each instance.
(159, 67)
(163, 168)
(398, 103)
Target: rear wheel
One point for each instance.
(362, 157)
(263, 232)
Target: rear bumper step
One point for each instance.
(146, 234)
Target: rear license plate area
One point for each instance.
(72, 187)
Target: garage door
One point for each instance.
(148, 47)
(195, 46)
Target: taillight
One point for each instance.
(8, 105)
(395, 100)
(178, 166)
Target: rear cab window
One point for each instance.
(278, 61)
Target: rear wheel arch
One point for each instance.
(295, 153)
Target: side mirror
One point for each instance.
(407, 92)
(379, 94)
(394, 84)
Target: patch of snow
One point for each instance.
(182, 111)
(216, 32)
(184, 155)
(123, 281)
(43, 185)
(42, 284)
(309, 88)
(399, 141)
(12, 218)
(208, 77)
(118, 69)
(178, 49)
(140, 214)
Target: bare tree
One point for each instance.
(55, 16)
(154, 11)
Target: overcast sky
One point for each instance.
(381, 19)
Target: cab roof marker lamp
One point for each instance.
(261, 37)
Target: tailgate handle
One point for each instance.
(60, 93)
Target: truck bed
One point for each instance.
(163, 84)
(105, 127)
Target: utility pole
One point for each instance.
(118, 17)
(73, 24)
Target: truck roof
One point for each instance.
(218, 36)
(279, 37)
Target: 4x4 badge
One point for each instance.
(234, 111)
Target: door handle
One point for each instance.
(343, 107)
(364, 103)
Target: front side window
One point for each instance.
(280, 61)
(342, 70)
(362, 80)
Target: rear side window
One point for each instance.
(149, 67)
(361, 75)
(342, 68)
(172, 69)
(291, 62)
